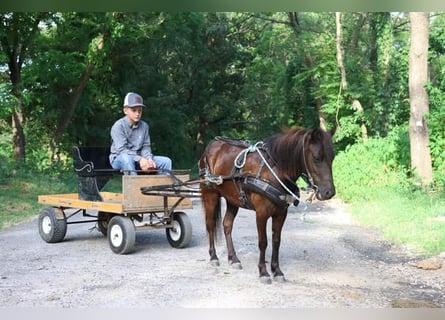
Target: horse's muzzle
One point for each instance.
(325, 193)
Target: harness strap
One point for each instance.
(241, 159)
(257, 184)
(281, 182)
(308, 175)
(266, 189)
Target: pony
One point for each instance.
(262, 177)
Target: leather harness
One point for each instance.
(249, 182)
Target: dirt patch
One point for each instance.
(328, 261)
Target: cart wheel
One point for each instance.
(121, 235)
(180, 234)
(103, 220)
(52, 225)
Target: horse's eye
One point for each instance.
(317, 159)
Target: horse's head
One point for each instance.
(319, 154)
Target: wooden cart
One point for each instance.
(119, 215)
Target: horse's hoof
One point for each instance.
(279, 279)
(236, 265)
(265, 280)
(214, 263)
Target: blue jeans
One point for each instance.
(126, 163)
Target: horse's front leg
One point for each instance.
(261, 223)
(229, 218)
(277, 226)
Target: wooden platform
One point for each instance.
(131, 200)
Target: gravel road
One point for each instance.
(328, 260)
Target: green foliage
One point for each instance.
(379, 163)
(436, 89)
(240, 74)
(20, 189)
(436, 119)
(373, 178)
(175, 129)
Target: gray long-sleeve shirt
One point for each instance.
(130, 139)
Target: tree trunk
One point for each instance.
(419, 104)
(341, 66)
(18, 135)
(17, 119)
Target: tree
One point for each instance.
(17, 32)
(344, 83)
(75, 92)
(69, 61)
(418, 76)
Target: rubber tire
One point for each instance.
(103, 220)
(121, 235)
(51, 228)
(180, 234)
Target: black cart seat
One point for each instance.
(93, 169)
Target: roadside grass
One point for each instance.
(416, 221)
(381, 193)
(19, 192)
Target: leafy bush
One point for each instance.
(374, 178)
(436, 119)
(377, 163)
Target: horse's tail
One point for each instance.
(217, 218)
(211, 200)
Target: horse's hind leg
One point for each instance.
(229, 217)
(212, 204)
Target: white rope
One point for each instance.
(303, 202)
(243, 154)
(218, 180)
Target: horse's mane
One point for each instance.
(286, 148)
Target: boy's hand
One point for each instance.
(147, 164)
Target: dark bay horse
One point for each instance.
(262, 177)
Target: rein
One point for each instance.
(304, 202)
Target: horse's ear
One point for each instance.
(316, 135)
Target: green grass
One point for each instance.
(19, 192)
(372, 179)
(415, 220)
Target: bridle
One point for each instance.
(309, 180)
